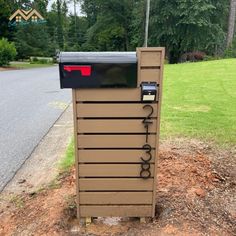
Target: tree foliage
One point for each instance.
(32, 40)
(7, 52)
(182, 26)
(5, 12)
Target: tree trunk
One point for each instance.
(231, 23)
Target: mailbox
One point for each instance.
(98, 69)
(117, 103)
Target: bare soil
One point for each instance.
(196, 195)
(8, 68)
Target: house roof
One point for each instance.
(26, 15)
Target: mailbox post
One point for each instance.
(117, 104)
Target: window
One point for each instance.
(34, 18)
(18, 19)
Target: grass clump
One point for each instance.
(69, 159)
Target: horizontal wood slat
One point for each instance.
(152, 75)
(111, 94)
(111, 170)
(114, 110)
(114, 126)
(115, 141)
(111, 211)
(115, 184)
(150, 58)
(108, 198)
(100, 156)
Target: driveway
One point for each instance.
(30, 103)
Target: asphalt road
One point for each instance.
(30, 103)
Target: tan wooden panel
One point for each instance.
(108, 198)
(100, 156)
(111, 94)
(114, 110)
(114, 126)
(150, 75)
(111, 170)
(114, 184)
(150, 58)
(115, 141)
(110, 211)
(76, 149)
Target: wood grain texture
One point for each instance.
(115, 141)
(76, 149)
(113, 198)
(150, 58)
(111, 170)
(150, 75)
(115, 184)
(116, 156)
(111, 211)
(112, 95)
(158, 128)
(114, 110)
(114, 126)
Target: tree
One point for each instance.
(137, 26)
(76, 34)
(7, 52)
(60, 38)
(91, 10)
(41, 6)
(5, 12)
(231, 23)
(183, 26)
(33, 40)
(112, 27)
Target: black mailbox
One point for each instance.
(98, 69)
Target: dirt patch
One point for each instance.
(8, 68)
(196, 192)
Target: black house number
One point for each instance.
(145, 172)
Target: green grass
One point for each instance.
(199, 101)
(28, 65)
(69, 158)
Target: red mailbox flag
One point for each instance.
(85, 70)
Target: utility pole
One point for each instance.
(147, 23)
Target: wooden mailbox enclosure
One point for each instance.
(109, 139)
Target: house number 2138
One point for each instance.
(145, 172)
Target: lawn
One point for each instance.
(199, 101)
(28, 65)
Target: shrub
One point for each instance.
(211, 58)
(192, 56)
(38, 60)
(34, 59)
(7, 52)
